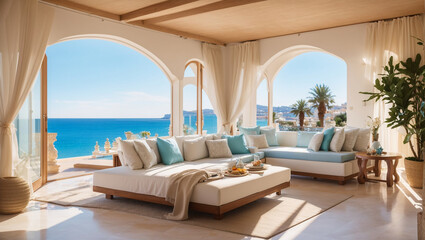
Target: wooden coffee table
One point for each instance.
(363, 158)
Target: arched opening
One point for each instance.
(294, 88)
(99, 90)
(293, 72)
(198, 113)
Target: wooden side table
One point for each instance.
(363, 158)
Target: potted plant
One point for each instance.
(402, 86)
(145, 134)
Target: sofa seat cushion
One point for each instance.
(153, 181)
(305, 154)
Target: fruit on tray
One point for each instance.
(238, 171)
(256, 163)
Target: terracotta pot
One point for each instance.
(414, 173)
(14, 195)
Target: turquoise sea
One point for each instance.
(77, 137)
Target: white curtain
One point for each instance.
(214, 81)
(232, 80)
(385, 39)
(24, 30)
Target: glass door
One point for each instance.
(29, 133)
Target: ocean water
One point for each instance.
(77, 137)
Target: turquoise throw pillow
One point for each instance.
(250, 130)
(304, 138)
(169, 151)
(270, 135)
(327, 138)
(236, 144)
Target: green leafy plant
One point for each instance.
(301, 108)
(321, 99)
(402, 86)
(340, 119)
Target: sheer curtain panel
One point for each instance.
(384, 39)
(231, 78)
(24, 30)
(214, 81)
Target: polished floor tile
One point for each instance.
(374, 212)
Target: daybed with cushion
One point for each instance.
(294, 150)
(215, 197)
(340, 166)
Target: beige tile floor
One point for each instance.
(375, 212)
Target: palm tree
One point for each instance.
(300, 108)
(321, 99)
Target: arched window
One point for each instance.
(99, 89)
(193, 100)
(295, 81)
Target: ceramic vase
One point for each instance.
(376, 145)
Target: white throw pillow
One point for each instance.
(258, 141)
(181, 139)
(146, 154)
(362, 141)
(218, 148)
(316, 141)
(350, 139)
(195, 149)
(152, 144)
(131, 158)
(337, 140)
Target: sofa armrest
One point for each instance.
(116, 160)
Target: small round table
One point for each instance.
(362, 159)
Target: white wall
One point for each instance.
(344, 42)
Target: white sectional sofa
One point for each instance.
(339, 166)
(214, 197)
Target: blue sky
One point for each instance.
(101, 79)
(96, 79)
(299, 75)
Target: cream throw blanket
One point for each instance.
(179, 191)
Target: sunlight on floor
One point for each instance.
(48, 217)
(410, 193)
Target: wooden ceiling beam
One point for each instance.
(131, 16)
(176, 32)
(202, 9)
(83, 8)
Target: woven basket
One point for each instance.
(14, 195)
(414, 173)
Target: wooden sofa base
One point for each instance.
(341, 179)
(217, 211)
